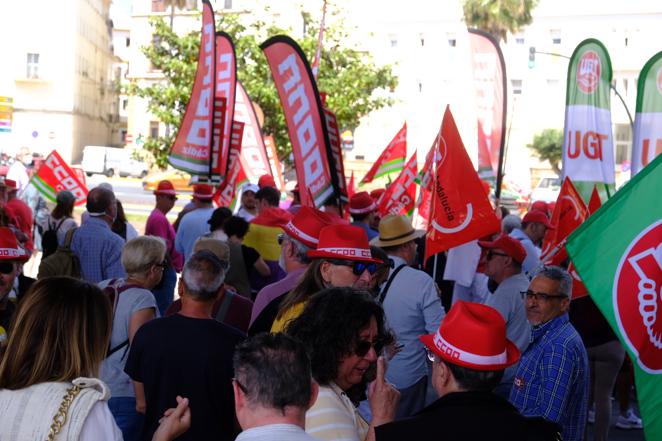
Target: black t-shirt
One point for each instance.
(250, 256)
(190, 357)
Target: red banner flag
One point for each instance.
(274, 162)
(305, 118)
(351, 187)
(236, 175)
(55, 175)
(595, 202)
(191, 150)
(336, 153)
(226, 81)
(489, 73)
(400, 196)
(569, 213)
(578, 288)
(425, 180)
(254, 156)
(460, 210)
(392, 158)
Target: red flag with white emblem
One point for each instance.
(400, 196)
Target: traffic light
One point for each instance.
(532, 57)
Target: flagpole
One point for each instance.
(318, 52)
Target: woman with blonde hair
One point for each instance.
(144, 260)
(48, 391)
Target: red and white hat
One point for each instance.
(306, 225)
(361, 203)
(9, 249)
(473, 335)
(165, 187)
(345, 242)
(203, 191)
(539, 217)
(266, 180)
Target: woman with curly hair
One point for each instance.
(343, 331)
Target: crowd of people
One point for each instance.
(291, 324)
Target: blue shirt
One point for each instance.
(532, 259)
(552, 378)
(99, 251)
(369, 231)
(191, 227)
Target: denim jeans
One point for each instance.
(127, 418)
(164, 293)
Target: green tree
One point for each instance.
(498, 17)
(354, 85)
(548, 146)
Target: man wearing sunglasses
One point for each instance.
(503, 265)
(552, 376)
(11, 257)
(412, 306)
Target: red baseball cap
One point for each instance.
(203, 191)
(345, 242)
(9, 248)
(165, 187)
(306, 225)
(509, 245)
(266, 180)
(538, 216)
(474, 336)
(361, 203)
(540, 206)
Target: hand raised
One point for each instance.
(382, 396)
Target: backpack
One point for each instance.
(113, 292)
(63, 262)
(49, 242)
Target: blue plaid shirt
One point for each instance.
(99, 251)
(552, 378)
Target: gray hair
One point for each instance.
(203, 275)
(301, 250)
(560, 275)
(510, 222)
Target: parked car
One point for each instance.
(547, 190)
(110, 160)
(180, 180)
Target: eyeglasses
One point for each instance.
(491, 254)
(6, 267)
(281, 238)
(357, 267)
(163, 264)
(241, 386)
(362, 347)
(541, 295)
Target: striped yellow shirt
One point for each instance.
(333, 417)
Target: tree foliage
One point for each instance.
(548, 146)
(354, 85)
(498, 17)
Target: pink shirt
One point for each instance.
(158, 225)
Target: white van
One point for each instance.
(110, 160)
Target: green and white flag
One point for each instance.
(588, 148)
(648, 120)
(618, 255)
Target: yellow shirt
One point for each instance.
(289, 315)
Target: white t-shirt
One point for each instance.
(100, 425)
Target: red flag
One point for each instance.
(236, 176)
(392, 158)
(304, 116)
(425, 180)
(274, 162)
(400, 196)
(254, 157)
(578, 288)
(460, 209)
(226, 80)
(336, 153)
(191, 150)
(55, 175)
(489, 74)
(595, 202)
(569, 213)
(351, 187)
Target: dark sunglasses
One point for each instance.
(541, 295)
(362, 347)
(6, 267)
(281, 238)
(357, 267)
(491, 254)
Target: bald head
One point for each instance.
(101, 202)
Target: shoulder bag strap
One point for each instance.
(69, 237)
(60, 418)
(395, 272)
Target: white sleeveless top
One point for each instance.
(27, 414)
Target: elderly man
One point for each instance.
(552, 376)
(194, 224)
(98, 249)
(158, 225)
(248, 208)
(10, 260)
(188, 354)
(412, 307)
(273, 388)
(534, 226)
(503, 265)
(469, 353)
(301, 234)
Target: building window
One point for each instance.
(394, 40)
(158, 6)
(556, 36)
(125, 103)
(552, 83)
(519, 40)
(227, 4)
(422, 38)
(517, 86)
(33, 66)
(153, 129)
(127, 42)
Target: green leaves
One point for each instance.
(498, 17)
(354, 85)
(548, 146)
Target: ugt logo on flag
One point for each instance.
(637, 297)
